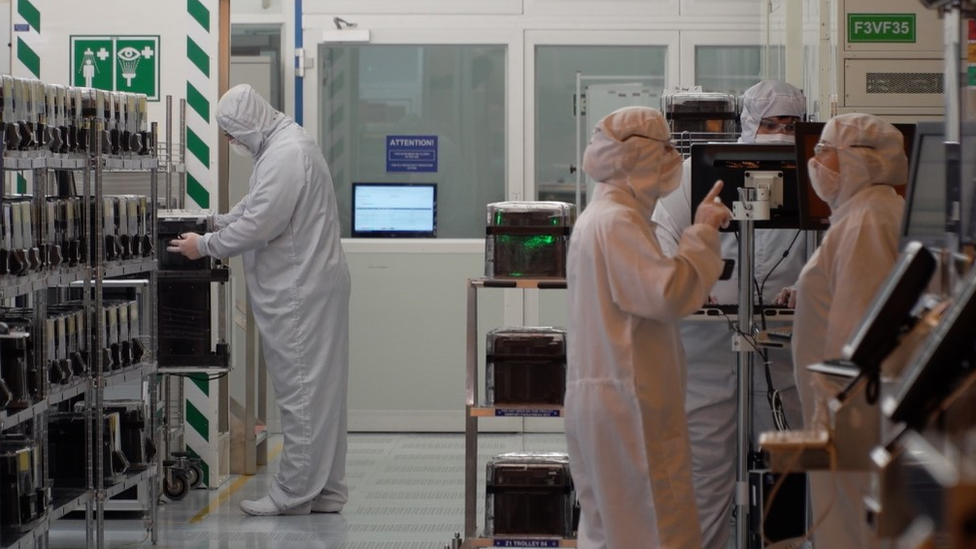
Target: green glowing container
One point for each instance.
(528, 239)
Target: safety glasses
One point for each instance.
(774, 126)
(822, 147)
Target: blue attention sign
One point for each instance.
(411, 153)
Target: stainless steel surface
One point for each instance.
(169, 151)
(471, 422)
(744, 364)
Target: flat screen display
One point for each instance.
(394, 210)
(926, 207)
(734, 163)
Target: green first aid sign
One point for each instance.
(116, 63)
(881, 27)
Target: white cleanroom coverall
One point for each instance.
(837, 286)
(711, 396)
(625, 426)
(287, 230)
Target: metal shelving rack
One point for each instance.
(474, 410)
(102, 270)
(91, 274)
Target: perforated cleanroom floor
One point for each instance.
(406, 492)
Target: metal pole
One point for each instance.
(744, 363)
(89, 126)
(99, 266)
(151, 311)
(953, 150)
(470, 421)
(579, 159)
(182, 195)
(170, 165)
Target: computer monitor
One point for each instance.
(394, 210)
(733, 163)
(815, 213)
(925, 211)
(944, 358)
(890, 309)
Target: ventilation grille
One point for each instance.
(904, 82)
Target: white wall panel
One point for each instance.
(721, 7)
(655, 8)
(414, 7)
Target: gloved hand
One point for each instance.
(787, 296)
(186, 245)
(711, 211)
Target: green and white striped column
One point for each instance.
(201, 395)
(26, 44)
(201, 70)
(200, 426)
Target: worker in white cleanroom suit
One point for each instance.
(625, 426)
(859, 159)
(287, 230)
(769, 111)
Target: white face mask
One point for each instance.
(240, 149)
(826, 182)
(775, 139)
(671, 175)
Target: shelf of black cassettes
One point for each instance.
(9, 418)
(527, 410)
(26, 540)
(521, 283)
(130, 480)
(61, 393)
(128, 267)
(128, 374)
(135, 164)
(520, 541)
(67, 500)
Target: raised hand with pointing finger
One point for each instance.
(711, 211)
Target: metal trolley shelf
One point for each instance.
(515, 411)
(54, 282)
(474, 410)
(27, 540)
(61, 393)
(9, 420)
(524, 541)
(66, 500)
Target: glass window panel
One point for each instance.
(453, 92)
(555, 124)
(733, 69)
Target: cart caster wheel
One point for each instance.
(194, 475)
(177, 489)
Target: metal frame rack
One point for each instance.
(474, 410)
(85, 112)
(182, 471)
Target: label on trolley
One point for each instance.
(526, 543)
(527, 412)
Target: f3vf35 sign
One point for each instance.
(881, 27)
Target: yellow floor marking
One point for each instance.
(222, 497)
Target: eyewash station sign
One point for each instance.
(881, 27)
(116, 63)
